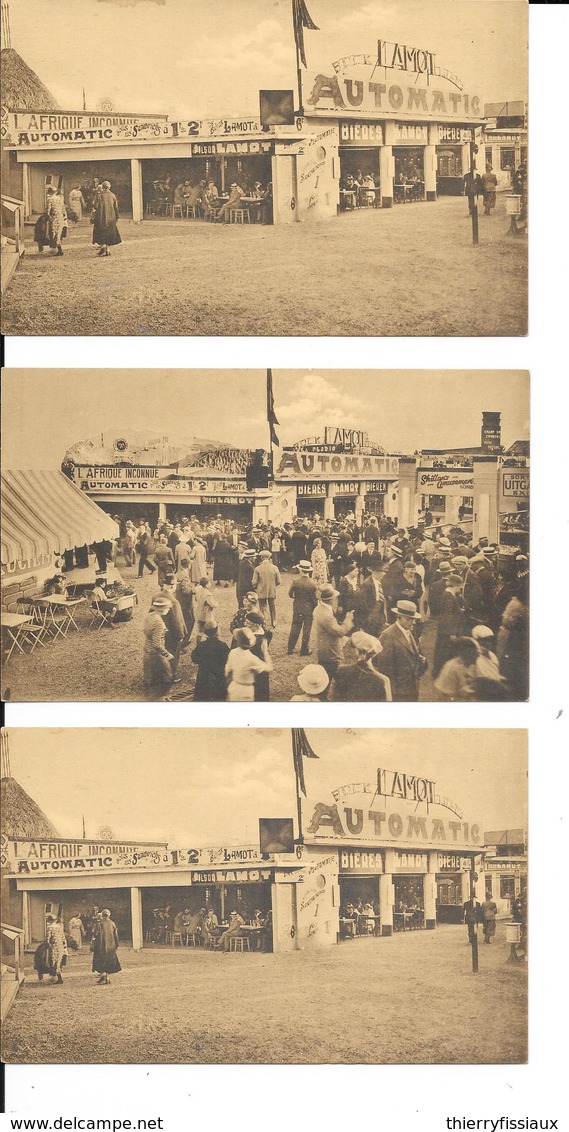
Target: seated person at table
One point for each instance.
(351, 916)
(211, 920)
(369, 184)
(103, 598)
(193, 196)
(195, 924)
(210, 197)
(179, 194)
(179, 924)
(56, 586)
(235, 198)
(235, 924)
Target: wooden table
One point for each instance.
(57, 602)
(12, 623)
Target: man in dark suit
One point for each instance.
(298, 545)
(401, 659)
(370, 609)
(245, 571)
(304, 594)
(472, 916)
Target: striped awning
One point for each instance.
(43, 512)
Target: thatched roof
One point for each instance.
(21, 816)
(21, 88)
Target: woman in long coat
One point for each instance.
(157, 661)
(105, 943)
(319, 564)
(105, 216)
(198, 562)
(56, 946)
(57, 218)
(223, 562)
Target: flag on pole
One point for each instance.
(302, 20)
(271, 415)
(84, 100)
(300, 749)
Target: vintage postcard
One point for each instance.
(176, 535)
(312, 168)
(330, 896)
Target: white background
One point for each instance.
(406, 1097)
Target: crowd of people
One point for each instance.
(364, 595)
(51, 227)
(202, 927)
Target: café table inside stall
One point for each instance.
(363, 198)
(12, 624)
(253, 933)
(65, 607)
(404, 918)
(363, 919)
(412, 190)
(250, 202)
(352, 924)
(348, 198)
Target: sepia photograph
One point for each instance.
(312, 168)
(175, 535)
(265, 896)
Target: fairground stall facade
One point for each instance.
(339, 473)
(394, 116)
(396, 845)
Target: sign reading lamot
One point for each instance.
(49, 857)
(34, 130)
(135, 480)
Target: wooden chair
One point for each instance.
(192, 211)
(177, 210)
(176, 937)
(192, 939)
(239, 943)
(239, 216)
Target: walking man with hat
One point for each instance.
(304, 594)
(361, 682)
(401, 659)
(329, 632)
(266, 578)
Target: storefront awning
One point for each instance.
(43, 512)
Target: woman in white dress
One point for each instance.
(76, 931)
(242, 667)
(319, 564)
(198, 562)
(77, 202)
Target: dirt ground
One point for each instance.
(410, 270)
(407, 999)
(106, 664)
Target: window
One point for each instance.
(507, 888)
(488, 887)
(489, 155)
(507, 157)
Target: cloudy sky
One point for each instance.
(211, 786)
(191, 58)
(44, 412)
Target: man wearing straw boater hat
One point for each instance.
(329, 632)
(304, 594)
(361, 682)
(401, 659)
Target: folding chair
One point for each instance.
(100, 615)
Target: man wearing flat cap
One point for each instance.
(361, 682)
(401, 659)
(304, 594)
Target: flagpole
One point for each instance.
(271, 428)
(298, 65)
(300, 838)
